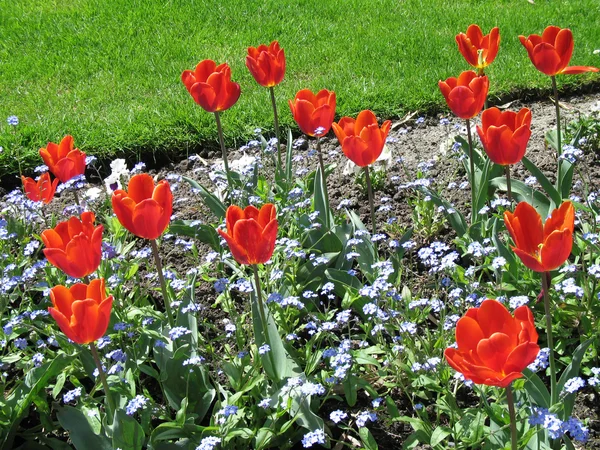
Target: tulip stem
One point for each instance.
(371, 205)
(261, 311)
(111, 403)
(472, 170)
(549, 339)
(558, 137)
(163, 284)
(321, 164)
(223, 150)
(508, 190)
(513, 422)
(276, 123)
(76, 199)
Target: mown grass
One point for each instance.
(107, 72)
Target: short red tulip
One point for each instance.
(81, 311)
(362, 140)
(493, 347)
(545, 247)
(63, 160)
(210, 86)
(504, 135)
(466, 94)
(145, 210)
(313, 112)
(479, 50)
(266, 64)
(251, 233)
(74, 246)
(41, 190)
(551, 52)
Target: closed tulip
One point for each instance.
(479, 50)
(81, 311)
(251, 233)
(493, 347)
(362, 140)
(466, 94)
(145, 209)
(266, 64)
(505, 135)
(541, 247)
(74, 246)
(64, 161)
(313, 113)
(210, 86)
(41, 190)
(551, 52)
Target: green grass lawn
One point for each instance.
(108, 72)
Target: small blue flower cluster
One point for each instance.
(556, 427)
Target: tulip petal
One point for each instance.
(232, 215)
(64, 324)
(357, 151)
(145, 219)
(247, 233)
(521, 357)
(238, 252)
(84, 320)
(525, 227)
(530, 261)
(560, 219)
(205, 95)
(123, 207)
(564, 44)
(104, 311)
(266, 214)
(140, 187)
(546, 59)
(62, 299)
(268, 238)
(493, 317)
(574, 70)
(556, 249)
(468, 334)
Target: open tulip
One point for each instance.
(479, 50)
(251, 233)
(466, 94)
(313, 112)
(551, 52)
(63, 160)
(266, 64)
(210, 86)
(545, 247)
(74, 246)
(81, 311)
(493, 347)
(145, 209)
(41, 190)
(362, 140)
(504, 135)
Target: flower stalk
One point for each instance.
(371, 204)
(163, 284)
(276, 123)
(550, 340)
(223, 150)
(472, 170)
(111, 402)
(513, 423)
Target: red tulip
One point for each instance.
(63, 160)
(479, 50)
(145, 210)
(551, 52)
(466, 94)
(251, 233)
(493, 347)
(210, 86)
(504, 135)
(74, 246)
(81, 311)
(312, 112)
(41, 190)
(266, 64)
(546, 247)
(362, 140)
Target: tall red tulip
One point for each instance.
(63, 160)
(493, 347)
(81, 311)
(479, 50)
(266, 64)
(551, 52)
(541, 247)
(210, 86)
(145, 209)
(74, 246)
(251, 233)
(466, 94)
(41, 190)
(312, 112)
(505, 135)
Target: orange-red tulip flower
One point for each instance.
(81, 311)
(266, 64)
(551, 52)
(41, 190)
(466, 94)
(63, 160)
(504, 135)
(493, 347)
(545, 247)
(362, 140)
(210, 86)
(251, 233)
(313, 112)
(479, 50)
(74, 246)
(145, 210)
